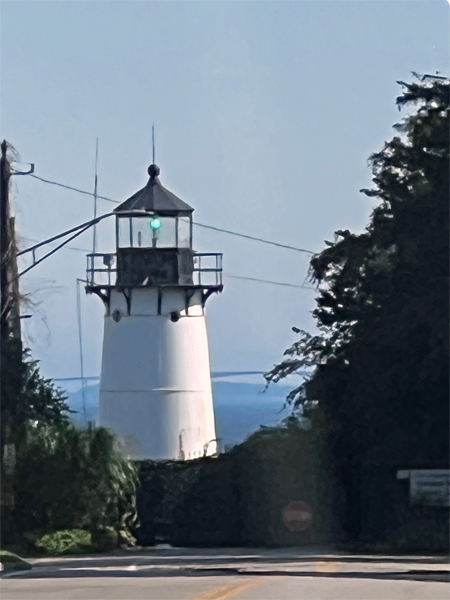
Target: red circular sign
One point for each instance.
(297, 515)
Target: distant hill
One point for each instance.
(240, 408)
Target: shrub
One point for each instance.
(69, 541)
(72, 478)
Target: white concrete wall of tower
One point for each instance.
(155, 388)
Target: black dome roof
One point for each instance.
(155, 198)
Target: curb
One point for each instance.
(14, 567)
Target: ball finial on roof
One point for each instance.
(153, 171)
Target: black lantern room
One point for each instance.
(154, 245)
(154, 237)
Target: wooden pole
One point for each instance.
(10, 297)
(6, 304)
(5, 174)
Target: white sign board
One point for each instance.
(430, 487)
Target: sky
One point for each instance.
(265, 116)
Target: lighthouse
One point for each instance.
(155, 383)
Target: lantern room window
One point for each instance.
(154, 231)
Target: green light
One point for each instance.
(155, 223)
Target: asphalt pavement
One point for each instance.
(240, 574)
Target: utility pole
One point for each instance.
(11, 339)
(5, 175)
(6, 319)
(10, 297)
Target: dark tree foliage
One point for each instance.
(380, 358)
(26, 396)
(27, 399)
(63, 476)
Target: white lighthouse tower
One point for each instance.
(155, 385)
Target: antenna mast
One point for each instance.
(80, 343)
(94, 241)
(153, 143)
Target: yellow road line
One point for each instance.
(224, 592)
(326, 567)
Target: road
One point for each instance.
(239, 574)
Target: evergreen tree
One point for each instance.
(381, 357)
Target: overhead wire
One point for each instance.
(245, 236)
(73, 189)
(79, 229)
(85, 250)
(37, 262)
(293, 285)
(227, 231)
(214, 375)
(82, 226)
(255, 239)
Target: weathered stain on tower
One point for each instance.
(155, 386)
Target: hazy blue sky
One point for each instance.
(265, 114)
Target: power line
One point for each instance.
(76, 378)
(242, 235)
(37, 262)
(79, 229)
(214, 374)
(304, 287)
(255, 239)
(73, 189)
(85, 250)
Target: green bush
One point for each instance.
(69, 541)
(73, 478)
